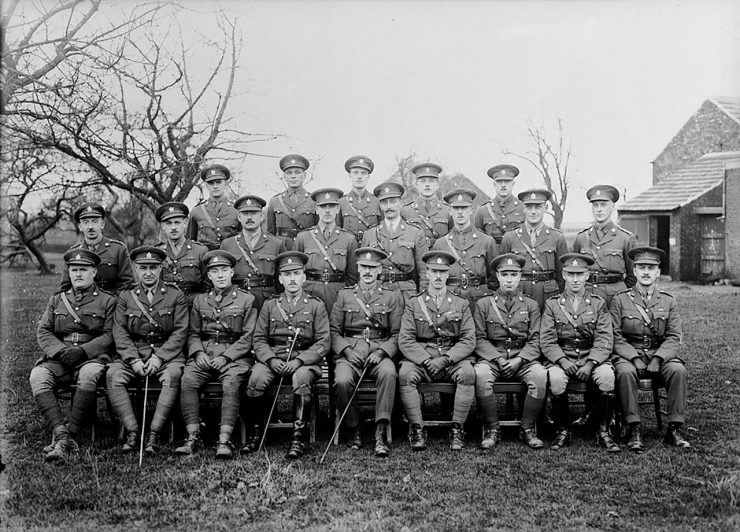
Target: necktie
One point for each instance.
(533, 236)
(79, 296)
(327, 234)
(150, 296)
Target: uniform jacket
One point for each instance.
(432, 217)
(611, 250)
(223, 224)
(521, 321)
(368, 207)
(474, 248)
(234, 317)
(273, 335)
(263, 256)
(662, 310)
(592, 317)
(417, 340)
(340, 246)
(114, 272)
(133, 333)
(186, 268)
(96, 310)
(404, 250)
(507, 216)
(386, 306)
(549, 246)
(301, 209)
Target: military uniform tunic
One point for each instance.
(431, 216)
(114, 271)
(322, 279)
(661, 337)
(185, 269)
(212, 222)
(593, 340)
(539, 281)
(469, 274)
(496, 217)
(261, 281)
(351, 327)
(289, 213)
(274, 334)
(403, 268)
(358, 213)
(611, 271)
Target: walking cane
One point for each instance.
(341, 418)
(143, 419)
(277, 393)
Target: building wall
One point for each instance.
(709, 130)
(732, 223)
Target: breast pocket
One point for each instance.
(660, 320)
(62, 319)
(404, 253)
(476, 261)
(339, 256)
(614, 259)
(94, 319)
(234, 319)
(305, 322)
(547, 257)
(267, 263)
(166, 318)
(453, 321)
(190, 270)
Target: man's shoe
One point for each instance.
(64, 448)
(457, 437)
(673, 437)
(253, 442)
(301, 423)
(355, 441)
(491, 438)
(151, 444)
(132, 442)
(530, 438)
(561, 439)
(192, 444)
(382, 448)
(634, 442)
(604, 439)
(224, 450)
(417, 437)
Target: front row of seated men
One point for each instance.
(437, 336)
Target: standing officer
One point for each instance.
(608, 244)
(540, 246)
(183, 265)
(292, 211)
(404, 244)
(507, 331)
(331, 250)
(281, 318)
(437, 340)
(219, 343)
(150, 330)
(503, 213)
(647, 342)
(576, 337)
(214, 219)
(359, 210)
(364, 333)
(255, 251)
(473, 250)
(75, 335)
(114, 271)
(427, 212)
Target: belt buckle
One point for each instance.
(508, 344)
(577, 344)
(366, 334)
(75, 337)
(440, 342)
(246, 283)
(216, 335)
(463, 281)
(647, 342)
(359, 235)
(392, 277)
(325, 277)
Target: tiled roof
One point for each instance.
(730, 105)
(683, 185)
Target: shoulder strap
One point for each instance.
(325, 253)
(643, 313)
(282, 312)
(380, 245)
(595, 255)
(493, 215)
(286, 212)
(367, 312)
(357, 213)
(143, 311)
(501, 318)
(72, 311)
(570, 319)
(208, 216)
(247, 258)
(458, 258)
(532, 254)
(425, 221)
(425, 311)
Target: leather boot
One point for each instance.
(529, 437)
(151, 444)
(674, 437)
(64, 447)
(634, 435)
(457, 437)
(192, 444)
(355, 441)
(224, 450)
(256, 413)
(417, 437)
(301, 421)
(588, 417)
(382, 448)
(132, 442)
(604, 437)
(491, 437)
(561, 418)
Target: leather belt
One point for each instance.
(393, 277)
(604, 278)
(538, 277)
(367, 333)
(255, 282)
(510, 343)
(358, 236)
(291, 233)
(577, 344)
(466, 280)
(154, 339)
(286, 343)
(442, 341)
(219, 337)
(644, 342)
(77, 337)
(324, 277)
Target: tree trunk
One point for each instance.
(43, 265)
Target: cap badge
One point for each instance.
(89, 209)
(290, 260)
(171, 209)
(533, 195)
(368, 256)
(328, 195)
(598, 192)
(426, 170)
(78, 257)
(439, 260)
(361, 161)
(509, 262)
(249, 202)
(148, 254)
(387, 189)
(292, 161)
(575, 262)
(459, 197)
(503, 172)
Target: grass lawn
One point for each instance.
(580, 488)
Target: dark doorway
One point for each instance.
(660, 234)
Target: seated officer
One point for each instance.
(364, 333)
(292, 319)
(75, 335)
(437, 340)
(507, 330)
(220, 337)
(183, 265)
(150, 330)
(576, 337)
(255, 251)
(647, 342)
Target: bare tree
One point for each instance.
(550, 156)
